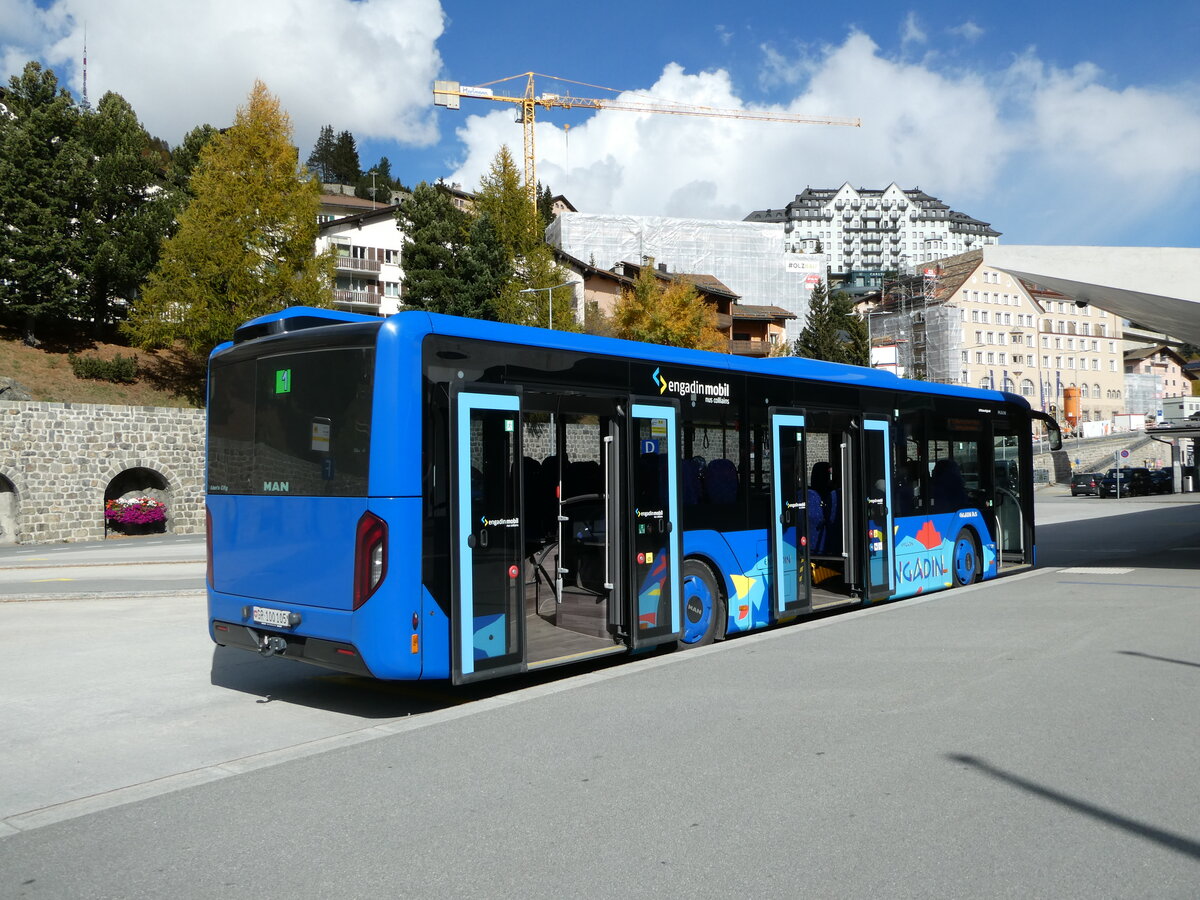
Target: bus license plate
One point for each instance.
(276, 617)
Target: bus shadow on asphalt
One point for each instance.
(1164, 537)
(302, 684)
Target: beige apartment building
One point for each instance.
(964, 322)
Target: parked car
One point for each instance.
(1162, 481)
(1085, 483)
(1134, 482)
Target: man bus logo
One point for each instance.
(279, 487)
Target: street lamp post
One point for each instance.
(549, 296)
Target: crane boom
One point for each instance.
(449, 93)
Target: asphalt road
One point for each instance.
(1035, 737)
(141, 566)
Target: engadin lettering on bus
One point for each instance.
(716, 392)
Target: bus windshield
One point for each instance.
(295, 423)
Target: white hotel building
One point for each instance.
(875, 230)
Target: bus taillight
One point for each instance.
(370, 557)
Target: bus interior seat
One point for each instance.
(721, 481)
(692, 478)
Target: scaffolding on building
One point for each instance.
(925, 331)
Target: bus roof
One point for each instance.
(299, 317)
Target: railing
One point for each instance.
(352, 264)
(750, 348)
(361, 297)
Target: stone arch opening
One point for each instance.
(8, 511)
(136, 482)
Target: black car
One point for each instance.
(1134, 482)
(1085, 483)
(1162, 481)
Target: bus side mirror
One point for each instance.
(1053, 433)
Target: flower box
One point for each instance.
(137, 515)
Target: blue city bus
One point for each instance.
(430, 497)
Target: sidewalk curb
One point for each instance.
(102, 595)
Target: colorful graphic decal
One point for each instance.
(923, 560)
(650, 595)
(924, 557)
(489, 636)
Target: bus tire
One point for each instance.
(965, 562)
(703, 605)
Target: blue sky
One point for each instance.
(1059, 123)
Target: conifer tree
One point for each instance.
(185, 157)
(42, 163)
(344, 167)
(320, 161)
(503, 198)
(832, 331)
(245, 244)
(435, 236)
(126, 214)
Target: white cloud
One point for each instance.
(968, 31)
(363, 66)
(647, 160)
(911, 32)
(1044, 154)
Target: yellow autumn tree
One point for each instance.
(667, 312)
(245, 244)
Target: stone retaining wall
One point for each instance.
(60, 462)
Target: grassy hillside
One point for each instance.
(164, 378)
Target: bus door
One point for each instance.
(487, 620)
(648, 554)
(1012, 526)
(834, 506)
(877, 469)
(791, 581)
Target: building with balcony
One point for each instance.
(866, 230)
(749, 329)
(367, 249)
(746, 257)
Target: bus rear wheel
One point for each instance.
(703, 605)
(965, 564)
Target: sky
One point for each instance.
(1057, 122)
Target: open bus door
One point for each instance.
(791, 575)
(487, 613)
(647, 551)
(877, 471)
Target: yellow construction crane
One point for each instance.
(448, 94)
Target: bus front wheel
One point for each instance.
(703, 605)
(965, 564)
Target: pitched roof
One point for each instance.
(749, 311)
(1139, 353)
(378, 212)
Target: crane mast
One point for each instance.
(449, 94)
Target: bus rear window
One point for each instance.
(297, 424)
